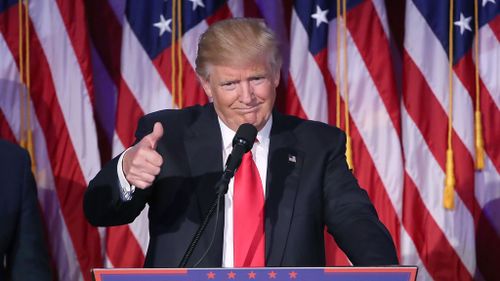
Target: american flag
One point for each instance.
(96, 66)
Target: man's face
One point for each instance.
(242, 94)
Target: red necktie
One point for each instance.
(248, 218)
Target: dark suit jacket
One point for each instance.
(22, 242)
(302, 196)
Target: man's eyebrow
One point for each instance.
(222, 82)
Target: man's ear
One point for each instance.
(276, 78)
(206, 86)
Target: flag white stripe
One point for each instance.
(190, 41)
(382, 15)
(140, 229)
(487, 189)
(306, 75)
(489, 62)
(409, 256)
(236, 8)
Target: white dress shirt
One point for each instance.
(260, 152)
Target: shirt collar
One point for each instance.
(263, 136)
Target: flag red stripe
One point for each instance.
(371, 41)
(251, 10)
(434, 249)
(128, 113)
(70, 182)
(292, 103)
(333, 254)
(495, 26)
(6, 132)
(191, 87)
(122, 247)
(222, 13)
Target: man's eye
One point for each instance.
(229, 86)
(257, 80)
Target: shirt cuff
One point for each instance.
(126, 189)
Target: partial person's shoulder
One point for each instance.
(169, 114)
(174, 116)
(12, 152)
(311, 128)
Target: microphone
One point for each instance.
(242, 143)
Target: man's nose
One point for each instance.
(246, 93)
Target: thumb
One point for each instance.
(156, 134)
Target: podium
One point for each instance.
(403, 273)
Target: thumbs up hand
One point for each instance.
(141, 163)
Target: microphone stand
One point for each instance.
(221, 186)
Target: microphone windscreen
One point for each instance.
(245, 135)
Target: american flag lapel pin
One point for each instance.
(292, 158)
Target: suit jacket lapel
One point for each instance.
(203, 142)
(284, 166)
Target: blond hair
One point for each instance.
(237, 42)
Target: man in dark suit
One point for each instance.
(178, 158)
(22, 247)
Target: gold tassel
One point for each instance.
(479, 141)
(348, 153)
(449, 182)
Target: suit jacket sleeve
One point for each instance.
(351, 217)
(102, 203)
(28, 258)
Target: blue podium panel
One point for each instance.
(407, 273)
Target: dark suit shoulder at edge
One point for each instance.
(303, 126)
(185, 115)
(12, 153)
